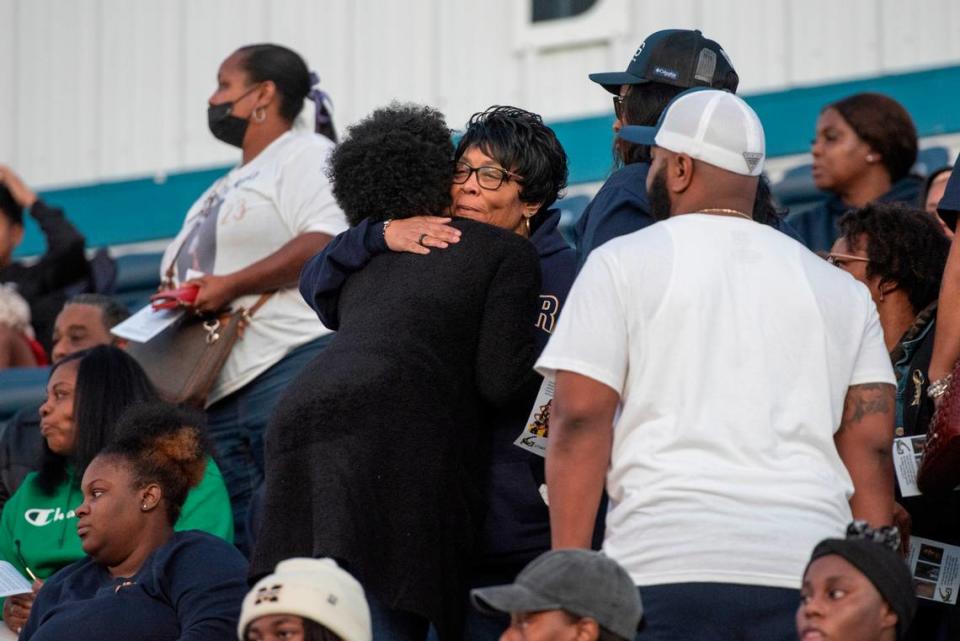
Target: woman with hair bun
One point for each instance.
(375, 452)
(141, 579)
(87, 393)
(863, 150)
(249, 234)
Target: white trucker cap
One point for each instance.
(710, 125)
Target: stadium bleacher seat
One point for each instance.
(21, 387)
(138, 276)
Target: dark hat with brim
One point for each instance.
(678, 57)
(581, 582)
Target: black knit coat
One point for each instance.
(375, 452)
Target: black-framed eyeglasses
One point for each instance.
(490, 178)
(618, 106)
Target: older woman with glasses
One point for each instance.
(374, 456)
(900, 254)
(509, 169)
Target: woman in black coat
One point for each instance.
(375, 452)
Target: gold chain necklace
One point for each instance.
(726, 212)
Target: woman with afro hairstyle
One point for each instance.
(863, 150)
(141, 579)
(374, 455)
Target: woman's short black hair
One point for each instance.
(882, 123)
(108, 382)
(395, 163)
(162, 444)
(905, 246)
(521, 143)
(288, 71)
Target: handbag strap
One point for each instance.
(264, 297)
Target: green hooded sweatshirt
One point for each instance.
(46, 526)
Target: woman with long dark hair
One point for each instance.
(86, 395)
(249, 234)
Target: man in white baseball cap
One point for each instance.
(730, 386)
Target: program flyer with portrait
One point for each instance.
(936, 569)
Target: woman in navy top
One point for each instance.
(141, 580)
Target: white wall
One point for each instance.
(101, 89)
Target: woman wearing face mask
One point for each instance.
(86, 394)
(863, 150)
(249, 234)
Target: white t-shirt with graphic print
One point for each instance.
(732, 347)
(244, 217)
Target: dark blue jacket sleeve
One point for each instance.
(950, 203)
(323, 276)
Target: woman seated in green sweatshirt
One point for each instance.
(86, 394)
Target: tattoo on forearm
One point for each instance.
(865, 400)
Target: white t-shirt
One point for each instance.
(732, 347)
(244, 217)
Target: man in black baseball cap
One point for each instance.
(566, 594)
(666, 63)
(677, 57)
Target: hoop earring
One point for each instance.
(259, 114)
(526, 221)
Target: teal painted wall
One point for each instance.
(112, 213)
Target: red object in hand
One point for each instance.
(184, 296)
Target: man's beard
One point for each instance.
(659, 196)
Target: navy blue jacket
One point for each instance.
(517, 527)
(190, 589)
(950, 203)
(619, 208)
(818, 226)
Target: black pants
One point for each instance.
(718, 612)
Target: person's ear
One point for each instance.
(587, 630)
(150, 497)
(266, 93)
(531, 209)
(889, 618)
(119, 342)
(16, 232)
(886, 286)
(681, 173)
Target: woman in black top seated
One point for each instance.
(373, 456)
(141, 579)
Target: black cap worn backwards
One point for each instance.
(678, 57)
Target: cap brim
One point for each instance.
(505, 599)
(615, 79)
(638, 135)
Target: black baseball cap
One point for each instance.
(582, 582)
(678, 57)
